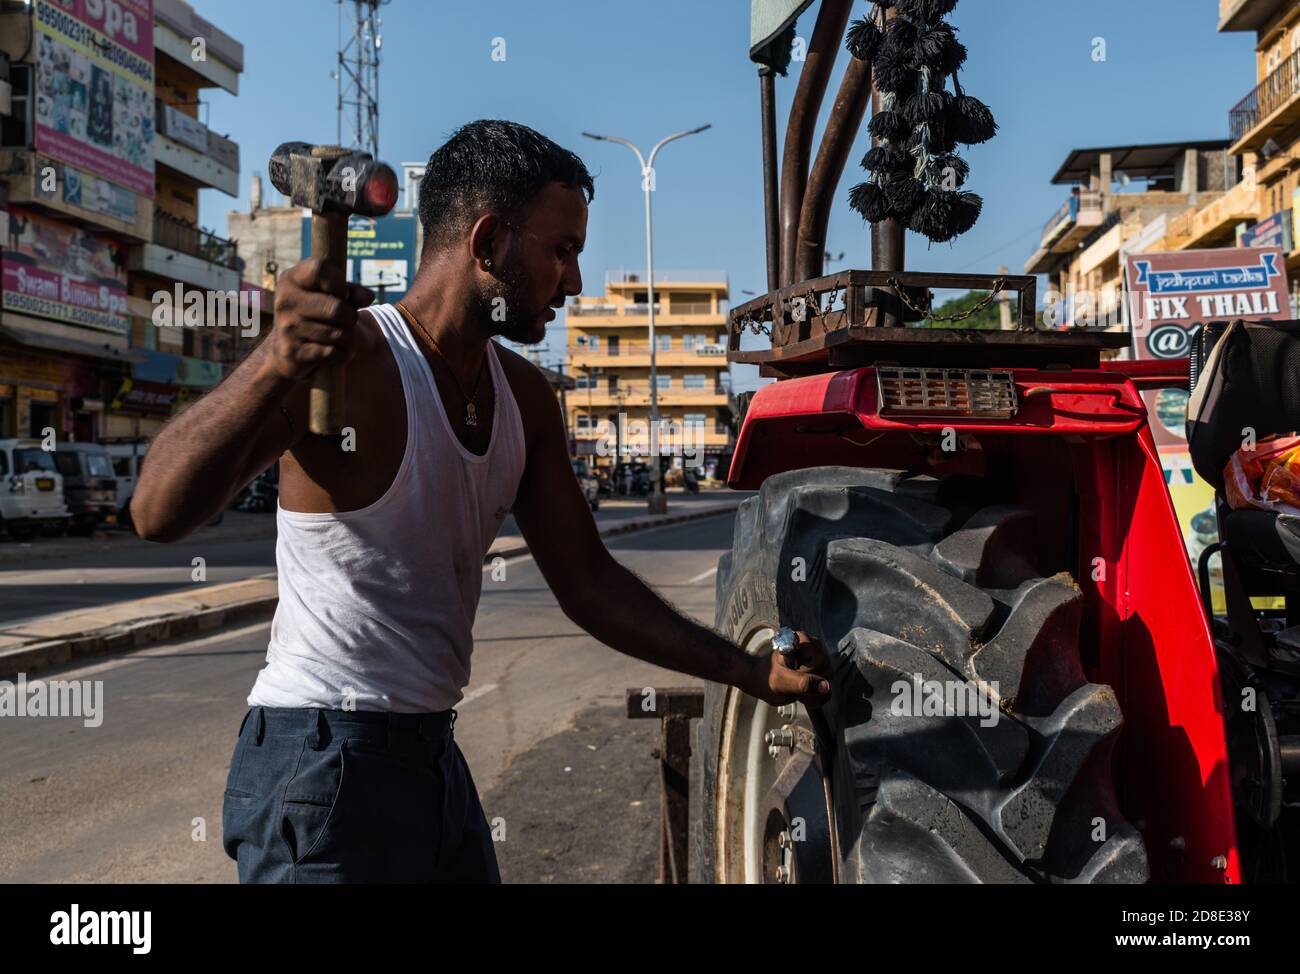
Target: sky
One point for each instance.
(646, 70)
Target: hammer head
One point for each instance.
(329, 179)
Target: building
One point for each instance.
(104, 154)
(1115, 194)
(1264, 133)
(608, 353)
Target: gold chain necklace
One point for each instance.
(471, 411)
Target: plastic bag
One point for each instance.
(1266, 478)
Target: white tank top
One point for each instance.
(377, 605)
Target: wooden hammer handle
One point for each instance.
(329, 244)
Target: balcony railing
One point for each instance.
(622, 276)
(188, 239)
(1274, 92)
(643, 308)
(642, 391)
(1070, 209)
(710, 351)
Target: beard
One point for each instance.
(506, 306)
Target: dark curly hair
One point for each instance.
(491, 166)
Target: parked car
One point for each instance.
(31, 491)
(89, 486)
(588, 483)
(127, 456)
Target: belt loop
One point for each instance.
(319, 730)
(259, 729)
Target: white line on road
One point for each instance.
(702, 575)
(476, 693)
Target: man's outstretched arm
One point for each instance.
(617, 607)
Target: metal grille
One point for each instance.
(951, 392)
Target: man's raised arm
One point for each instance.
(201, 459)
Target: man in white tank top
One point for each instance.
(346, 768)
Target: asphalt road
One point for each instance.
(65, 574)
(138, 799)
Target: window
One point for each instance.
(584, 421)
(694, 381)
(16, 127)
(33, 459)
(663, 381)
(694, 420)
(121, 466)
(99, 465)
(664, 343)
(688, 341)
(67, 464)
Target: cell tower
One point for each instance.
(357, 73)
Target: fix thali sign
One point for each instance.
(1172, 293)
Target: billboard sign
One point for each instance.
(56, 270)
(1272, 232)
(95, 87)
(381, 252)
(1171, 294)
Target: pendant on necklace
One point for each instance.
(471, 415)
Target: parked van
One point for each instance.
(89, 486)
(31, 491)
(127, 457)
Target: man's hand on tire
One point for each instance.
(802, 676)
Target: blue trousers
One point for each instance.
(334, 796)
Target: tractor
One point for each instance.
(1028, 684)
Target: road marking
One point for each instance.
(476, 693)
(702, 575)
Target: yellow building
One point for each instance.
(1118, 195)
(1264, 129)
(609, 357)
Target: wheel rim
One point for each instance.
(750, 811)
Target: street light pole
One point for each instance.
(658, 503)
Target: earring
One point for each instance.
(487, 262)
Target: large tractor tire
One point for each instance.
(907, 578)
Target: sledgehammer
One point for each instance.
(335, 183)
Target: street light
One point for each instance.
(658, 500)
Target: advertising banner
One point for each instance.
(95, 87)
(56, 270)
(381, 252)
(1170, 294)
(1275, 231)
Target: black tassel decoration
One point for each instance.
(867, 200)
(942, 216)
(888, 159)
(904, 194)
(894, 73)
(937, 47)
(971, 121)
(863, 39)
(947, 171)
(898, 38)
(929, 106)
(925, 11)
(889, 126)
(916, 175)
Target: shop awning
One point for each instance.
(53, 336)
